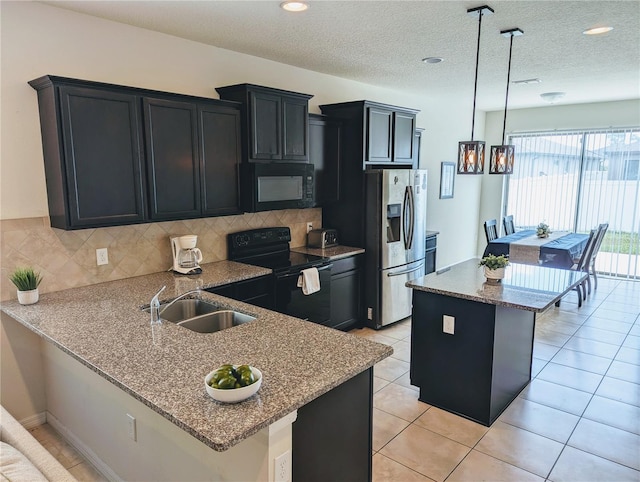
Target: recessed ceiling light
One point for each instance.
(432, 60)
(527, 81)
(294, 6)
(597, 30)
(552, 97)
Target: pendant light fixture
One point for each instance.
(471, 153)
(502, 157)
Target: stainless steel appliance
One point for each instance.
(269, 248)
(186, 257)
(277, 185)
(395, 217)
(322, 238)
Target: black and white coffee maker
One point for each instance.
(186, 257)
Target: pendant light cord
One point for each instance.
(475, 85)
(506, 97)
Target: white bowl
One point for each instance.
(233, 395)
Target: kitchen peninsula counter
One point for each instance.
(102, 327)
(472, 342)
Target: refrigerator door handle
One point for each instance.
(408, 217)
(398, 273)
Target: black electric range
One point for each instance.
(270, 248)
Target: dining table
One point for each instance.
(559, 250)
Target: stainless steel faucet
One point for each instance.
(155, 304)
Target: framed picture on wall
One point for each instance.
(447, 175)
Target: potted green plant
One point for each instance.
(494, 267)
(27, 281)
(543, 230)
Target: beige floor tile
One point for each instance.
(615, 315)
(609, 442)
(481, 467)
(632, 341)
(582, 361)
(605, 324)
(397, 331)
(570, 377)
(379, 384)
(598, 334)
(390, 369)
(425, 452)
(542, 351)
(385, 427)
(521, 448)
(387, 470)
(536, 366)
(405, 381)
(556, 396)
(399, 401)
(57, 446)
(614, 413)
(619, 305)
(620, 390)
(624, 371)
(546, 421)
(452, 426)
(628, 355)
(402, 351)
(551, 337)
(592, 347)
(576, 465)
(85, 472)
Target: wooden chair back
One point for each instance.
(491, 230)
(509, 226)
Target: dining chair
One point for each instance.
(583, 265)
(507, 222)
(602, 230)
(491, 230)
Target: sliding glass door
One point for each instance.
(574, 181)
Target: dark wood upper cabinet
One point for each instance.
(275, 122)
(378, 134)
(171, 137)
(325, 154)
(93, 155)
(219, 129)
(119, 155)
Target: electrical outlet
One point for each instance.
(369, 313)
(283, 468)
(309, 227)
(102, 256)
(131, 427)
(448, 324)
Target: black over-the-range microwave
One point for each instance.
(276, 185)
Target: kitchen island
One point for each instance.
(103, 362)
(472, 342)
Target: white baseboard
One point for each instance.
(34, 420)
(89, 454)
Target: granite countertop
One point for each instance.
(526, 287)
(102, 326)
(333, 253)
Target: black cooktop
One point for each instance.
(269, 248)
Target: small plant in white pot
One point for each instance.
(543, 230)
(27, 281)
(494, 267)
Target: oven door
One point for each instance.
(290, 299)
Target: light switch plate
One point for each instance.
(448, 324)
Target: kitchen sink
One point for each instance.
(201, 316)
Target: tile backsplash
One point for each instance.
(67, 259)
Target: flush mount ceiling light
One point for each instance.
(432, 60)
(294, 6)
(502, 157)
(471, 153)
(527, 81)
(597, 30)
(552, 97)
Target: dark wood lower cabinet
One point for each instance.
(255, 291)
(332, 436)
(346, 275)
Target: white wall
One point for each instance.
(561, 117)
(40, 39)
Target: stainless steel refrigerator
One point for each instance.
(395, 218)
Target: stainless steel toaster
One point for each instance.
(322, 238)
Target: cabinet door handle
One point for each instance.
(398, 273)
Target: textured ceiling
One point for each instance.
(382, 42)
